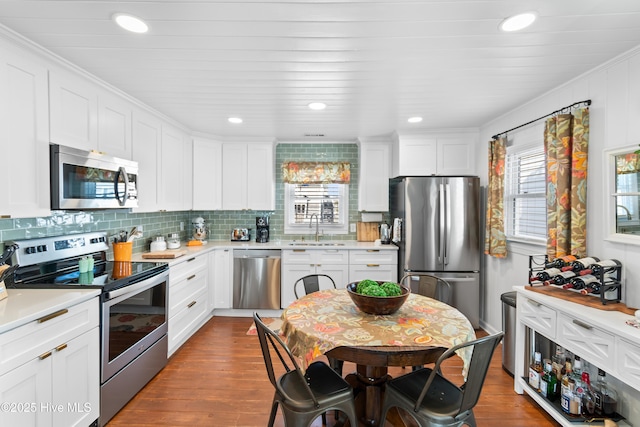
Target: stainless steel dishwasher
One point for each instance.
(256, 278)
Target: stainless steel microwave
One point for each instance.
(91, 180)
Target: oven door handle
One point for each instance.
(135, 287)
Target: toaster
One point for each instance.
(240, 234)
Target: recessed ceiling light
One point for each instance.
(235, 120)
(518, 22)
(317, 105)
(130, 23)
(414, 119)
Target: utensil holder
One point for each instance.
(122, 251)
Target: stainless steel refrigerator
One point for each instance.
(436, 225)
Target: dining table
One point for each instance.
(328, 323)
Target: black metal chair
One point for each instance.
(311, 283)
(435, 401)
(303, 396)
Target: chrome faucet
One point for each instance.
(317, 225)
(629, 217)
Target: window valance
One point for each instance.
(627, 163)
(316, 172)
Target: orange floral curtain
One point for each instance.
(495, 242)
(566, 142)
(316, 172)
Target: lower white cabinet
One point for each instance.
(188, 299)
(374, 264)
(220, 282)
(297, 263)
(50, 375)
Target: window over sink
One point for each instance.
(328, 204)
(622, 176)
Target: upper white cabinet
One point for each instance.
(114, 126)
(24, 135)
(73, 104)
(434, 154)
(175, 170)
(147, 136)
(375, 170)
(248, 180)
(207, 176)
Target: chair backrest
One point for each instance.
(270, 341)
(311, 283)
(483, 349)
(428, 285)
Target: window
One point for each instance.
(525, 200)
(329, 202)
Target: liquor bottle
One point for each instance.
(563, 278)
(582, 263)
(535, 371)
(545, 275)
(606, 398)
(560, 262)
(557, 362)
(602, 267)
(549, 382)
(588, 399)
(581, 282)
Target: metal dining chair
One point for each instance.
(303, 396)
(431, 399)
(311, 283)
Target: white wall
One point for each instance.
(614, 88)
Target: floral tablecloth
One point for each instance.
(321, 321)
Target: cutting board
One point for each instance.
(587, 300)
(367, 231)
(168, 254)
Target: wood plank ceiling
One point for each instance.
(374, 63)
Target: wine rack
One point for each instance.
(610, 282)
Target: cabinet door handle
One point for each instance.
(536, 303)
(582, 324)
(373, 265)
(191, 277)
(299, 250)
(191, 304)
(61, 347)
(52, 315)
(44, 355)
(191, 259)
(373, 250)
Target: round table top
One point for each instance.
(326, 320)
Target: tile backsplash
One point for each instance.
(219, 223)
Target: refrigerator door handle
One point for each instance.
(447, 237)
(441, 223)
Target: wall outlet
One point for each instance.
(139, 228)
(352, 228)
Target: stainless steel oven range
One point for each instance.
(133, 327)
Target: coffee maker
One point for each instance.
(262, 229)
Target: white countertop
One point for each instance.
(276, 244)
(25, 305)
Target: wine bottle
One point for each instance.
(560, 262)
(582, 263)
(581, 282)
(562, 278)
(602, 267)
(545, 275)
(591, 288)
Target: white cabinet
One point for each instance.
(114, 126)
(434, 154)
(248, 180)
(374, 264)
(74, 111)
(297, 263)
(175, 170)
(147, 134)
(207, 174)
(53, 364)
(220, 280)
(375, 170)
(24, 136)
(537, 316)
(188, 299)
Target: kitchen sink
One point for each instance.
(315, 244)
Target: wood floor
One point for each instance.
(218, 379)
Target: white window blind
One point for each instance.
(525, 201)
(330, 202)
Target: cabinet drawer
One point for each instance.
(315, 256)
(33, 339)
(297, 256)
(373, 272)
(537, 316)
(186, 268)
(182, 292)
(373, 256)
(332, 256)
(186, 322)
(595, 345)
(628, 362)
